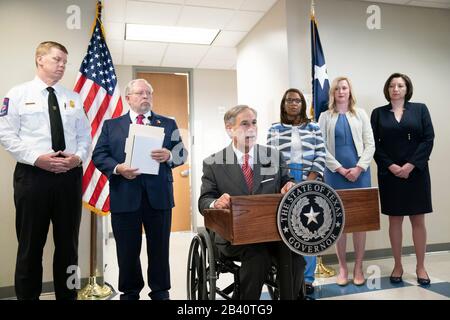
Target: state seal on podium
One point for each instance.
(310, 218)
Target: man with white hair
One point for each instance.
(140, 199)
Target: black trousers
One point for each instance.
(127, 229)
(256, 261)
(42, 197)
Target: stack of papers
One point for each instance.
(141, 141)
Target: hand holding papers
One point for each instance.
(141, 141)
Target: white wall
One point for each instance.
(214, 92)
(24, 25)
(412, 40)
(262, 67)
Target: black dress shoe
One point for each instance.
(309, 288)
(424, 281)
(396, 280)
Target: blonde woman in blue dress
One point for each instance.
(350, 146)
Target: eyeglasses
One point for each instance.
(296, 101)
(141, 93)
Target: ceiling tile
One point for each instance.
(152, 13)
(219, 58)
(114, 30)
(185, 56)
(244, 21)
(257, 5)
(226, 4)
(114, 10)
(229, 38)
(201, 17)
(143, 53)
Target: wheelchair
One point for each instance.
(206, 264)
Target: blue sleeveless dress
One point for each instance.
(345, 153)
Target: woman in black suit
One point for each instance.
(404, 137)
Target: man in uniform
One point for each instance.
(43, 126)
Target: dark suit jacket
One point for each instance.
(410, 140)
(125, 195)
(221, 176)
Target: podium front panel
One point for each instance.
(252, 219)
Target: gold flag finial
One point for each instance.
(312, 9)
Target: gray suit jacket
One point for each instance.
(223, 174)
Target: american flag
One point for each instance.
(97, 85)
(320, 83)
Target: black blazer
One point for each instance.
(410, 140)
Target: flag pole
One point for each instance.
(93, 290)
(313, 49)
(321, 271)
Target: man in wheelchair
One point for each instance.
(246, 168)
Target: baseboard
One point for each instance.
(386, 253)
(47, 287)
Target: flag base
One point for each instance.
(94, 291)
(322, 271)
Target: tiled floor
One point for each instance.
(377, 272)
(377, 286)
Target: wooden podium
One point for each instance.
(252, 219)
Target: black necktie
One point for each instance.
(56, 126)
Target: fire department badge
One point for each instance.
(4, 108)
(310, 218)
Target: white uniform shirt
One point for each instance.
(25, 124)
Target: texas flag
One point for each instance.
(320, 83)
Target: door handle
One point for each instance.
(185, 173)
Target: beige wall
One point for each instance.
(412, 40)
(24, 25)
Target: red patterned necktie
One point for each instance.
(139, 119)
(248, 173)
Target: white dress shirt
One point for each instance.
(240, 156)
(25, 128)
(134, 115)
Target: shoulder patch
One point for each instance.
(4, 109)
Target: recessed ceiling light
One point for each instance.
(145, 32)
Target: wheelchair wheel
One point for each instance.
(201, 271)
